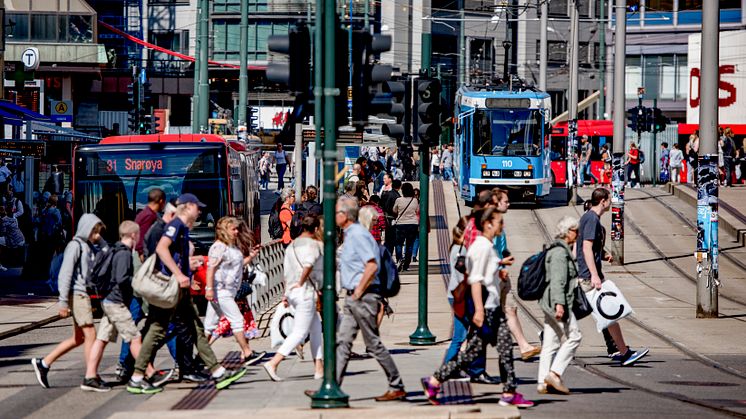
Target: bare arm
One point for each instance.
(588, 256)
(165, 256)
(476, 296)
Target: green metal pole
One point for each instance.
(195, 95)
(422, 335)
(655, 147)
(243, 77)
(204, 84)
(329, 395)
(318, 76)
(602, 59)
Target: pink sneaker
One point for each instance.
(431, 392)
(516, 400)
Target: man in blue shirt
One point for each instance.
(359, 263)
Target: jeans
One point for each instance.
(556, 355)
(406, 235)
(416, 247)
(186, 325)
(586, 170)
(460, 329)
(360, 315)
(281, 168)
(728, 169)
(306, 321)
(392, 245)
(447, 173)
(264, 180)
(633, 168)
(226, 306)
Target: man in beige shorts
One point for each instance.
(74, 299)
(117, 318)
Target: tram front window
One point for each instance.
(507, 132)
(114, 183)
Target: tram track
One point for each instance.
(702, 359)
(693, 226)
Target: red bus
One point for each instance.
(112, 178)
(599, 132)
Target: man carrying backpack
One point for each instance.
(74, 299)
(590, 249)
(117, 318)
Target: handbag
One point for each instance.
(581, 307)
(319, 304)
(156, 288)
(460, 265)
(244, 288)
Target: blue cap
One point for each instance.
(189, 198)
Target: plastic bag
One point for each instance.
(281, 324)
(609, 305)
(260, 280)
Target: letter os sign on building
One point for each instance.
(732, 84)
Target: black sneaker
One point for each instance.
(195, 377)
(41, 372)
(254, 358)
(228, 378)
(142, 387)
(161, 377)
(484, 378)
(95, 384)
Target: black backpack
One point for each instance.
(98, 281)
(275, 225)
(388, 275)
(642, 157)
(532, 279)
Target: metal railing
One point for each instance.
(271, 258)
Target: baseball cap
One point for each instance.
(189, 198)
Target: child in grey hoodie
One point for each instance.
(74, 300)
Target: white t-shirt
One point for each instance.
(482, 266)
(229, 262)
(302, 253)
(435, 161)
(456, 276)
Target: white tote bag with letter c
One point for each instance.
(609, 305)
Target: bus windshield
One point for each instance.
(113, 182)
(507, 132)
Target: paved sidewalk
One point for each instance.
(19, 313)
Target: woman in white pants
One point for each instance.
(301, 281)
(224, 273)
(556, 303)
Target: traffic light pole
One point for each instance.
(195, 95)
(204, 85)
(243, 75)
(618, 175)
(422, 335)
(707, 173)
(572, 123)
(330, 395)
(656, 157)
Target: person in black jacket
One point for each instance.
(388, 199)
(117, 319)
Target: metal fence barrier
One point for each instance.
(271, 258)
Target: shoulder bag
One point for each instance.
(155, 287)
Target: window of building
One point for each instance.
(663, 76)
(697, 4)
(234, 6)
(227, 39)
(659, 5)
(558, 8)
(48, 27)
(167, 2)
(584, 7)
(43, 27)
(16, 26)
(632, 76)
(556, 52)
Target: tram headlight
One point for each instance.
(527, 173)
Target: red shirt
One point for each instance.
(377, 229)
(145, 220)
(470, 233)
(634, 156)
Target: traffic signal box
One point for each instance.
(644, 119)
(401, 100)
(133, 99)
(368, 96)
(426, 109)
(297, 46)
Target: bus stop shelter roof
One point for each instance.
(21, 113)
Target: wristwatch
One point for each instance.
(208, 288)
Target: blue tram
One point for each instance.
(502, 139)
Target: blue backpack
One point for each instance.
(388, 275)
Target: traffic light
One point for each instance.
(635, 116)
(659, 120)
(146, 94)
(367, 98)
(147, 125)
(133, 98)
(647, 125)
(341, 77)
(427, 112)
(400, 91)
(253, 125)
(158, 126)
(295, 72)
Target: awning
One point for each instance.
(19, 112)
(57, 133)
(686, 129)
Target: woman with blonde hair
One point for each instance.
(225, 265)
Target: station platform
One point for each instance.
(732, 209)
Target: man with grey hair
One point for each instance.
(359, 263)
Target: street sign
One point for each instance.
(62, 110)
(30, 58)
(27, 148)
(342, 136)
